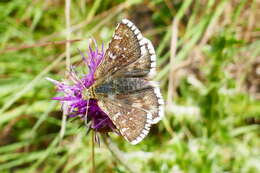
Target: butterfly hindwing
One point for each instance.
(148, 99)
(132, 122)
(145, 66)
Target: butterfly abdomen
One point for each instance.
(122, 86)
(129, 85)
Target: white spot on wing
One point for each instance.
(160, 115)
(150, 46)
(152, 55)
(129, 24)
(116, 37)
(149, 115)
(153, 64)
(125, 21)
(157, 92)
(124, 129)
(145, 132)
(160, 101)
(111, 55)
(142, 42)
(139, 36)
(152, 72)
(153, 58)
(150, 49)
(133, 27)
(116, 116)
(160, 108)
(143, 50)
(147, 126)
(149, 121)
(136, 31)
(142, 135)
(134, 142)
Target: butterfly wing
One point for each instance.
(145, 66)
(128, 53)
(147, 99)
(132, 122)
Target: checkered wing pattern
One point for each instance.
(132, 122)
(129, 54)
(123, 50)
(149, 99)
(145, 66)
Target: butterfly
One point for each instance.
(123, 85)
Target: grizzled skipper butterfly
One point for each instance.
(123, 85)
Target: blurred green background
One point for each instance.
(208, 67)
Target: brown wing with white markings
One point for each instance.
(124, 49)
(129, 54)
(145, 66)
(130, 100)
(132, 122)
(148, 99)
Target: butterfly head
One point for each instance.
(88, 93)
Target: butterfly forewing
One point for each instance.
(124, 49)
(132, 122)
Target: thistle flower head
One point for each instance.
(72, 90)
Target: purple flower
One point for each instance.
(72, 89)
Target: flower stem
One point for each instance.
(118, 155)
(93, 152)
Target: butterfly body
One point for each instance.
(123, 85)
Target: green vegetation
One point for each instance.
(209, 71)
